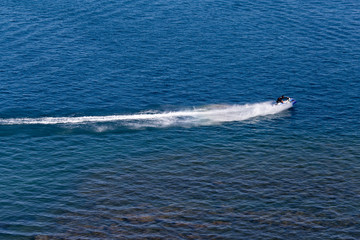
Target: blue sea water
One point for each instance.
(153, 119)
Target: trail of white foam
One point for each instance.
(200, 116)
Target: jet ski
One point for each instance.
(286, 100)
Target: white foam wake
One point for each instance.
(197, 116)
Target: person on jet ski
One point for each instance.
(281, 99)
(284, 98)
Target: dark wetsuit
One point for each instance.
(279, 100)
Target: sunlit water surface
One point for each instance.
(154, 120)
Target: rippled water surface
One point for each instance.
(154, 120)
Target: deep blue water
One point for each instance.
(152, 119)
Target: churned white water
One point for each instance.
(208, 115)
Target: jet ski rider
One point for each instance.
(281, 99)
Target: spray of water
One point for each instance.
(208, 115)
